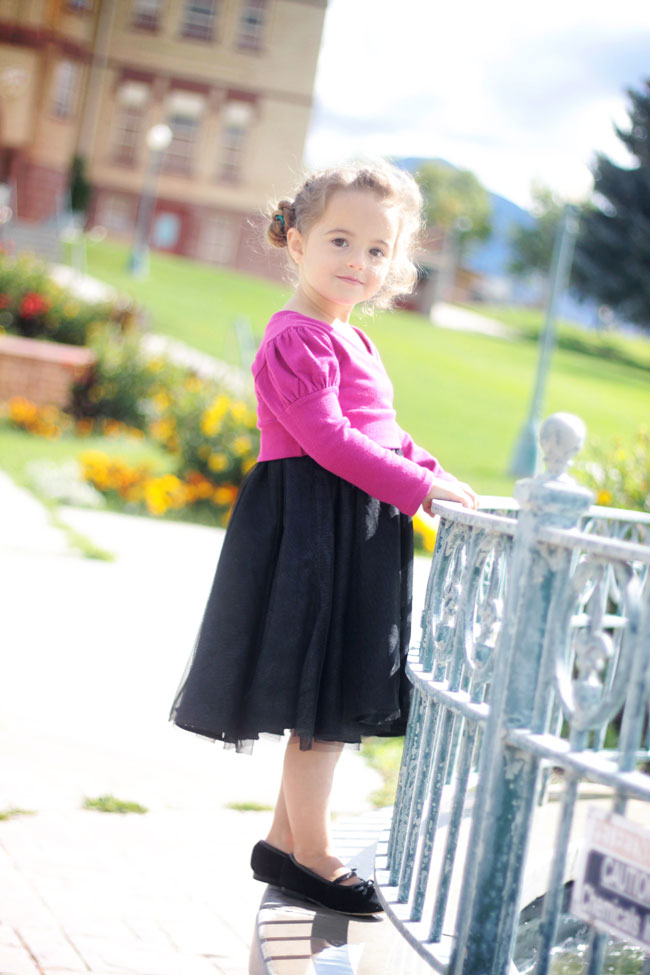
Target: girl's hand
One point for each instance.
(442, 490)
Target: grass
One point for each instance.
(18, 448)
(110, 804)
(195, 303)
(249, 805)
(384, 756)
(463, 396)
(84, 545)
(12, 812)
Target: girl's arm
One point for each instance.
(422, 457)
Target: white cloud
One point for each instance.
(504, 89)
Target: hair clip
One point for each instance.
(278, 216)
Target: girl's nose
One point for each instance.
(355, 259)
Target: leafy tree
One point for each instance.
(454, 199)
(612, 259)
(532, 247)
(78, 186)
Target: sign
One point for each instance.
(612, 885)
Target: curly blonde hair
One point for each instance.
(390, 184)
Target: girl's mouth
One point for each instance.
(350, 280)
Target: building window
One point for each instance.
(251, 25)
(132, 100)
(65, 88)
(199, 18)
(145, 14)
(217, 240)
(236, 122)
(184, 111)
(116, 213)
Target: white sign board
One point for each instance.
(612, 885)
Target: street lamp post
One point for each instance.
(526, 453)
(158, 138)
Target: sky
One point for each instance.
(515, 91)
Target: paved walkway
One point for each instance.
(461, 319)
(91, 655)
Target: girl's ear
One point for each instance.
(295, 244)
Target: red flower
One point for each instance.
(33, 304)
(5, 299)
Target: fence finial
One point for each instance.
(561, 436)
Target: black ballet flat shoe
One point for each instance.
(358, 898)
(267, 862)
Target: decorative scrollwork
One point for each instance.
(593, 662)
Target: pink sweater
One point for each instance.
(321, 394)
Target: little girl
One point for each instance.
(308, 622)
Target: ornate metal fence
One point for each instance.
(532, 678)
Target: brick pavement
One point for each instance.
(166, 893)
(91, 656)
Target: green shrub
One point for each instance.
(121, 382)
(34, 306)
(619, 473)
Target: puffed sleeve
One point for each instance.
(299, 384)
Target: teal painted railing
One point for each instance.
(532, 677)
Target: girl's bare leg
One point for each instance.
(280, 835)
(301, 821)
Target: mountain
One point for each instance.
(489, 257)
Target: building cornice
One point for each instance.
(126, 71)
(35, 37)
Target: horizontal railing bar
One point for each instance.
(620, 551)
(458, 701)
(618, 514)
(475, 519)
(591, 765)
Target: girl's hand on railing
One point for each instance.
(442, 490)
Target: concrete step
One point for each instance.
(293, 937)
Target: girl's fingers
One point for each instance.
(451, 491)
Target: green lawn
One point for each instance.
(464, 396)
(18, 449)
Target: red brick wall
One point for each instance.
(43, 372)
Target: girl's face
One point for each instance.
(344, 257)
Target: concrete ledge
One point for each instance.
(296, 938)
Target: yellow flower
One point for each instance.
(239, 411)
(247, 464)
(212, 417)
(161, 400)
(604, 497)
(241, 445)
(225, 494)
(426, 531)
(217, 462)
(193, 384)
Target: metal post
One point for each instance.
(526, 453)
(158, 138)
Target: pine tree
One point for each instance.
(612, 258)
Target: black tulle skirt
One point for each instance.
(308, 621)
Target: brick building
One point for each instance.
(232, 79)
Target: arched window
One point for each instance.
(184, 112)
(132, 98)
(236, 123)
(251, 24)
(199, 18)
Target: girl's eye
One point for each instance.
(377, 252)
(339, 241)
